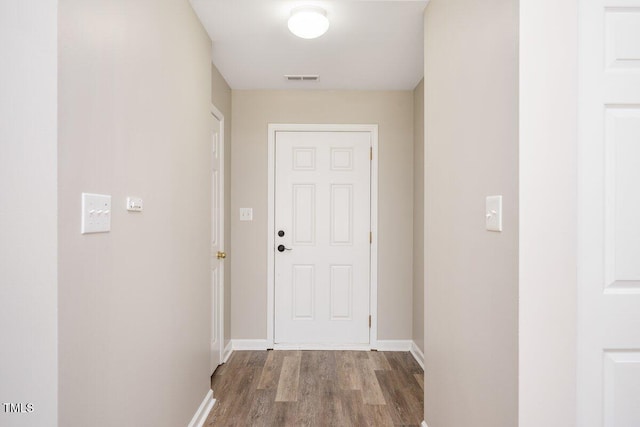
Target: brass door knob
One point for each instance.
(221, 255)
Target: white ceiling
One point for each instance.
(370, 45)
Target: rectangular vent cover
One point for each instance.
(302, 77)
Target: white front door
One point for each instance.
(609, 215)
(217, 240)
(322, 237)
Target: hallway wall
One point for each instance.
(134, 304)
(252, 112)
(471, 151)
(28, 212)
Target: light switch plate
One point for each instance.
(96, 213)
(246, 214)
(494, 213)
(134, 204)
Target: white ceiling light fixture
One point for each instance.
(308, 22)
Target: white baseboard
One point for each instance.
(228, 349)
(249, 344)
(423, 424)
(394, 345)
(203, 411)
(417, 354)
(328, 346)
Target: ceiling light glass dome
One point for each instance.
(308, 22)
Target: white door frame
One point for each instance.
(220, 309)
(373, 285)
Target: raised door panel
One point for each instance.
(621, 388)
(304, 214)
(341, 292)
(303, 292)
(622, 38)
(341, 214)
(622, 198)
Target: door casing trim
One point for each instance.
(373, 266)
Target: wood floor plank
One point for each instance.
(411, 363)
(261, 409)
(319, 403)
(312, 375)
(308, 411)
(414, 397)
(271, 370)
(402, 361)
(353, 408)
(217, 380)
(239, 358)
(420, 379)
(404, 408)
(379, 361)
(243, 388)
(406, 369)
(323, 364)
(229, 412)
(395, 404)
(378, 416)
(284, 414)
(371, 392)
(348, 375)
(289, 378)
(257, 359)
(330, 413)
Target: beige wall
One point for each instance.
(252, 112)
(134, 304)
(548, 237)
(418, 215)
(221, 98)
(471, 151)
(28, 211)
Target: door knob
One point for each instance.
(221, 255)
(281, 248)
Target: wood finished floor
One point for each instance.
(318, 388)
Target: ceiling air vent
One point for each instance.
(302, 77)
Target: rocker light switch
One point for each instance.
(494, 213)
(246, 214)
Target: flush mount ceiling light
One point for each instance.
(308, 22)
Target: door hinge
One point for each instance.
(371, 153)
(369, 321)
(371, 237)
